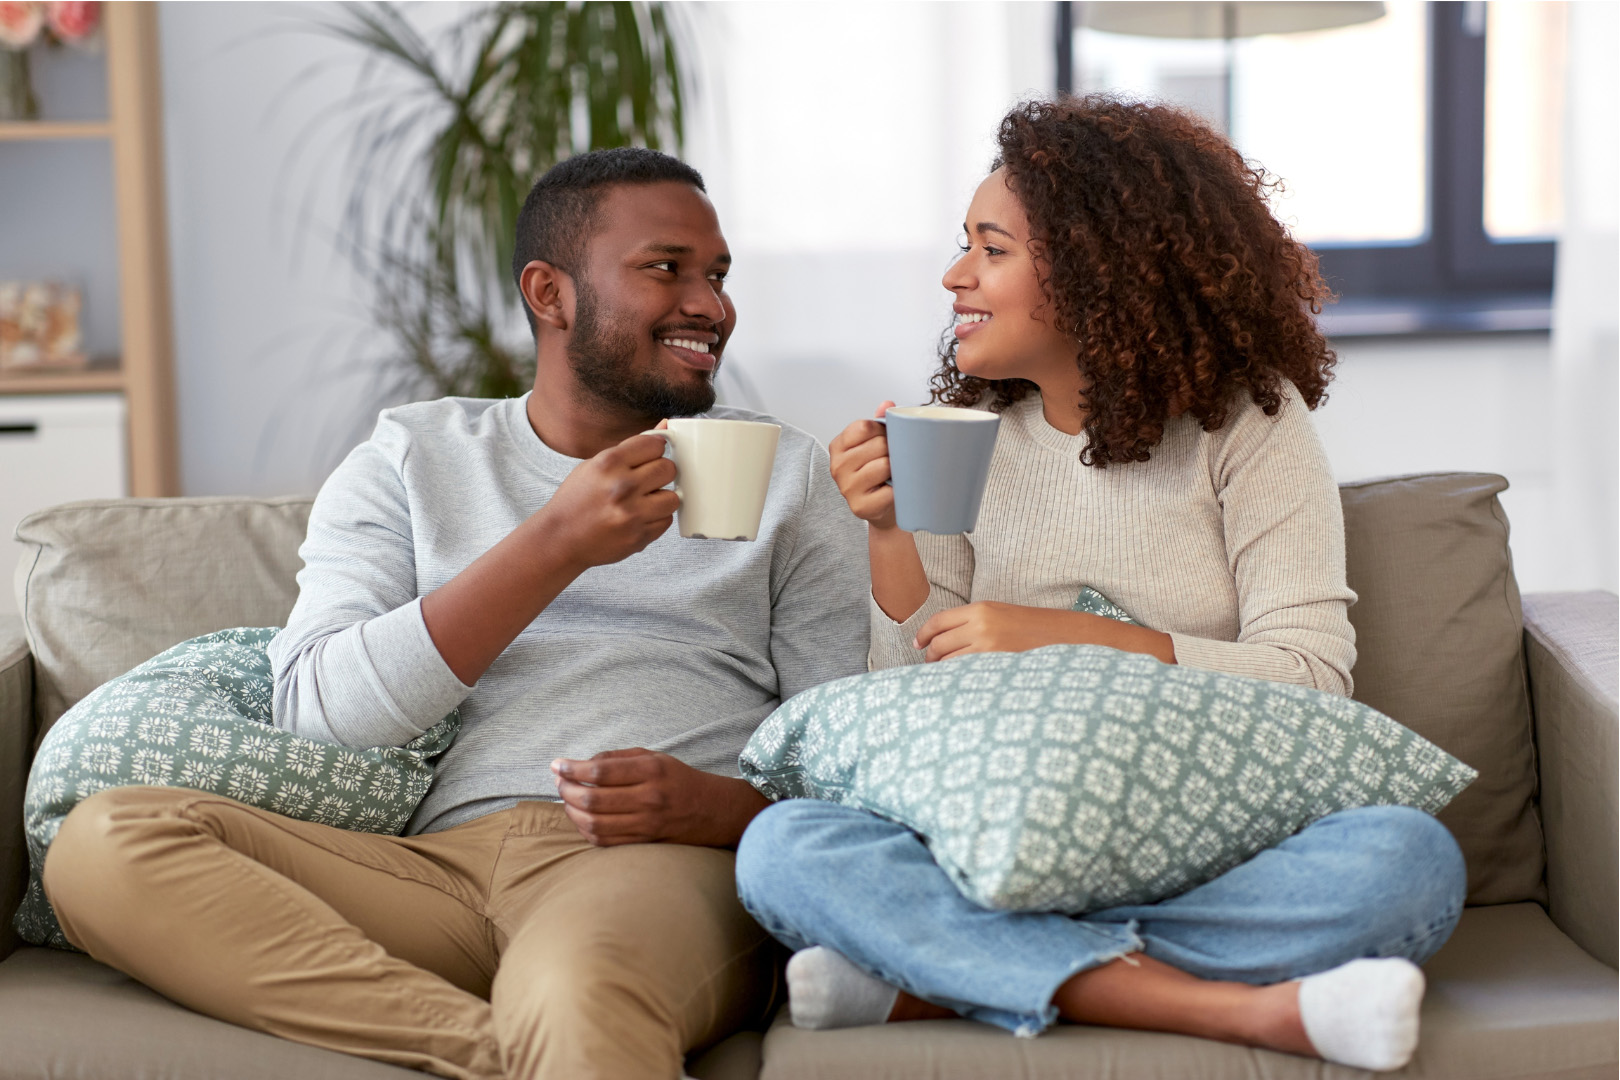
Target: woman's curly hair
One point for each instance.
(1159, 256)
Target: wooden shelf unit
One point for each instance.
(146, 328)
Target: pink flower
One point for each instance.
(20, 23)
(73, 22)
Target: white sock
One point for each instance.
(1364, 1013)
(827, 991)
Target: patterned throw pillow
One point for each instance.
(198, 716)
(1075, 777)
(1093, 602)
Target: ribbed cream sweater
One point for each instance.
(1230, 541)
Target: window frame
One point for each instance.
(1456, 261)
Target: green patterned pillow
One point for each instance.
(198, 716)
(1093, 602)
(1075, 777)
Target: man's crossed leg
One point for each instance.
(508, 946)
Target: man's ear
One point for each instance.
(549, 292)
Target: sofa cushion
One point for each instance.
(64, 1015)
(47, 997)
(1076, 777)
(1440, 648)
(106, 584)
(1510, 998)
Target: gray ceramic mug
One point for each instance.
(939, 460)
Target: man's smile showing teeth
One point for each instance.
(691, 352)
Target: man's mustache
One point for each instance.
(697, 328)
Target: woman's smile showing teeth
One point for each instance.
(969, 321)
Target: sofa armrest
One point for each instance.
(1570, 648)
(16, 751)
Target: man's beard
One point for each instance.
(602, 355)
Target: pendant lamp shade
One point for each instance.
(1173, 19)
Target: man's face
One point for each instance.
(651, 316)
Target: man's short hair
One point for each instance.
(557, 217)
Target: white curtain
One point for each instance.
(1586, 303)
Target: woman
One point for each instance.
(1142, 323)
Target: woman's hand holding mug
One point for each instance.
(860, 468)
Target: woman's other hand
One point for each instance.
(860, 468)
(988, 626)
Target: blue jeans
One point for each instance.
(1379, 881)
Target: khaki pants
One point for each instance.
(507, 946)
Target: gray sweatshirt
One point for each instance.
(683, 647)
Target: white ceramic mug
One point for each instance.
(722, 472)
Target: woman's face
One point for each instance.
(1003, 321)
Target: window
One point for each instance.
(1524, 119)
(1419, 148)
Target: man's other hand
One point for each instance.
(613, 505)
(638, 797)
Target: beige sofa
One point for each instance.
(1525, 988)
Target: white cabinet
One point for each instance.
(55, 449)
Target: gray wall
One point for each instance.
(268, 324)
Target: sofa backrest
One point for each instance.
(105, 585)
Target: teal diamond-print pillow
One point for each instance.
(198, 716)
(1074, 778)
(1093, 602)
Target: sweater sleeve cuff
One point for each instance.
(891, 641)
(402, 686)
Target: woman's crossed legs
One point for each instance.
(1217, 961)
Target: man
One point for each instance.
(564, 903)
